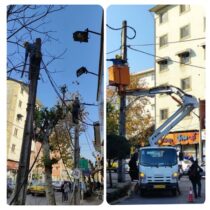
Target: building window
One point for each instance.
(163, 114)
(186, 83)
(15, 132)
(19, 117)
(163, 17)
(185, 32)
(19, 103)
(13, 148)
(184, 8)
(163, 40)
(184, 56)
(163, 63)
(152, 77)
(184, 59)
(163, 66)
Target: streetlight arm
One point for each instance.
(93, 32)
(92, 73)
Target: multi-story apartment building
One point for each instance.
(180, 61)
(17, 98)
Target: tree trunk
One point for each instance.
(110, 174)
(48, 173)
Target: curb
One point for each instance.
(120, 193)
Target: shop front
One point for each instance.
(12, 167)
(186, 142)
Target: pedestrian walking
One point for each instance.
(62, 191)
(133, 171)
(82, 189)
(194, 174)
(66, 191)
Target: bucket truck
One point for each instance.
(158, 166)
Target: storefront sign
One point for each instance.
(181, 138)
(12, 165)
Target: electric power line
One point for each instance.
(89, 143)
(57, 92)
(116, 29)
(150, 54)
(173, 42)
(113, 51)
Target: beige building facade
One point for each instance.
(180, 61)
(17, 99)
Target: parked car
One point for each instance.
(57, 185)
(37, 189)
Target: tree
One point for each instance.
(112, 112)
(118, 148)
(46, 121)
(26, 23)
(139, 123)
(54, 129)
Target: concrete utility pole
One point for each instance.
(24, 162)
(121, 174)
(76, 163)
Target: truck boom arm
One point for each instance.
(188, 103)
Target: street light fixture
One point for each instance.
(82, 36)
(83, 70)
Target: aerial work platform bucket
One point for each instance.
(119, 75)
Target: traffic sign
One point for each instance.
(76, 173)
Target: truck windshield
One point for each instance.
(158, 157)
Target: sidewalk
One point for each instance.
(119, 189)
(92, 200)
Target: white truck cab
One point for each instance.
(158, 166)
(158, 169)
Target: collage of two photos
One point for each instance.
(132, 110)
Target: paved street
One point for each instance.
(42, 200)
(164, 197)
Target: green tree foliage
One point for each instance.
(139, 123)
(112, 112)
(118, 147)
(112, 119)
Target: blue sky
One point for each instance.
(80, 17)
(65, 23)
(139, 18)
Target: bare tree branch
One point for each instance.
(25, 23)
